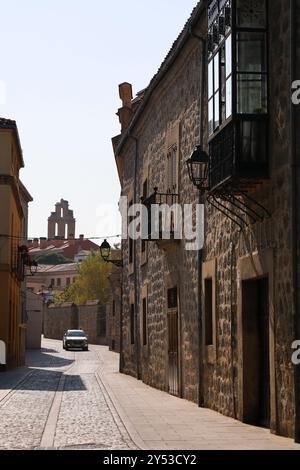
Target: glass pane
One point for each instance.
(228, 97)
(251, 13)
(217, 110)
(216, 72)
(228, 55)
(253, 141)
(251, 94)
(251, 52)
(211, 116)
(210, 80)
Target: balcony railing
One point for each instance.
(161, 221)
(238, 154)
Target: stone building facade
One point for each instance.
(114, 308)
(217, 326)
(14, 199)
(160, 306)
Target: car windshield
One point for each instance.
(75, 333)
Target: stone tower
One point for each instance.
(61, 223)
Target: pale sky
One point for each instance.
(60, 65)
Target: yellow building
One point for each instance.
(11, 260)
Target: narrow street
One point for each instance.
(78, 400)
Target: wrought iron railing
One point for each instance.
(160, 231)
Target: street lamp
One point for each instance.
(105, 250)
(198, 166)
(33, 267)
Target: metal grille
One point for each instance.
(222, 156)
(157, 198)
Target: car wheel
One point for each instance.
(67, 349)
(86, 349)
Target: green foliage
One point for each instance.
(92, 282)
(62, 297)
(53, 259)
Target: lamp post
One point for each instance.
(198, 168)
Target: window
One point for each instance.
(172, 163)
(52, 282)
(228, 77)
(220, 86)
(113, 308)
(172, 298)
(208, 312)
(58, 282)
(251, 73)
(68, 281)
(132, 324)
(145, 338)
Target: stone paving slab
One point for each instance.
(159, 421)
(79, 400)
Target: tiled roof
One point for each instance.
(58, 268)
(165, 66)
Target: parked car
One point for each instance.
(75, 339)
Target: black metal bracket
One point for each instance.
(242, 205)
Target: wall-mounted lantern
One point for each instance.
(105, 251)
(198, 168)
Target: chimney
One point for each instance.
(125, 113)
(43, 243)
(71, 239)
(35, 243)
(81, 237)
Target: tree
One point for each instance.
(92, 282)
(53, 259)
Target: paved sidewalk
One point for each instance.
(156, 420)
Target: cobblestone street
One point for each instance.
(78, 400)
(59, 403)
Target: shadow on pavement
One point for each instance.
(41, 380)
(45, 358)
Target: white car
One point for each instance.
(75, 339)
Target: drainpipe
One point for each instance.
(135, 265)
(200, 252)
(294, 168)
(121, 323)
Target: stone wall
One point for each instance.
(90, 317)
(114, 307)
(59, 319)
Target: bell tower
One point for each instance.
(61, 223)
